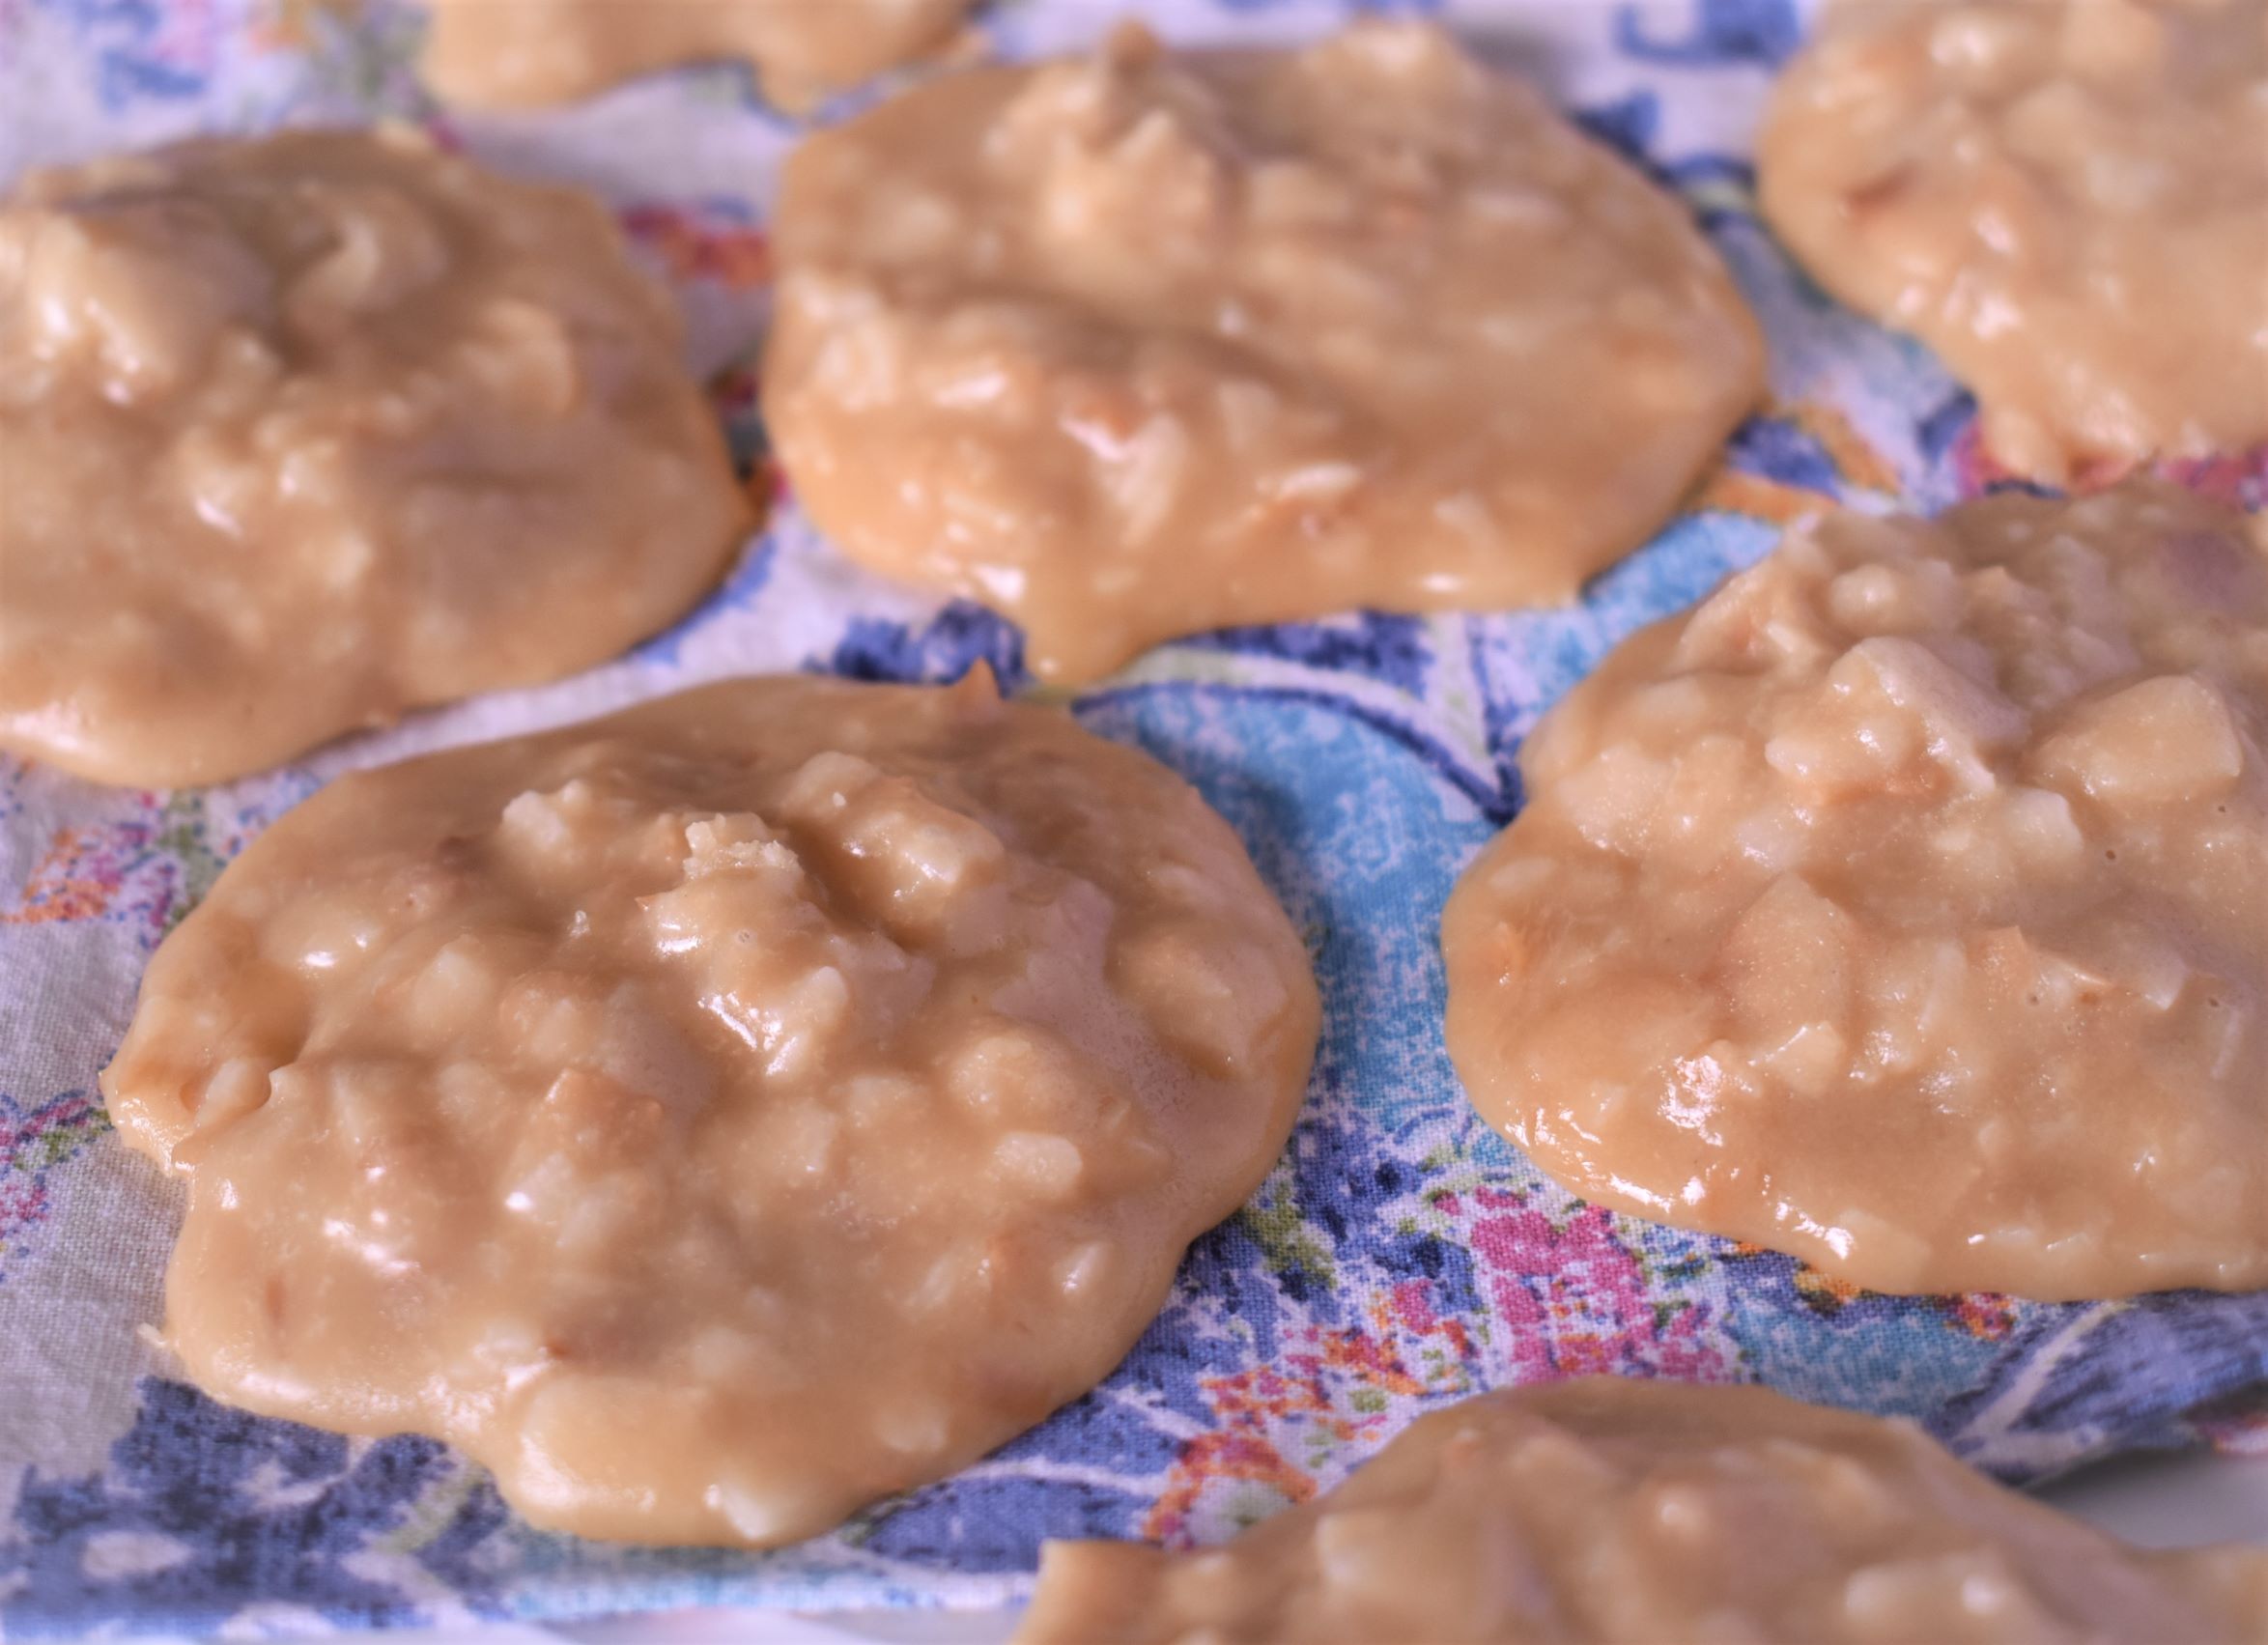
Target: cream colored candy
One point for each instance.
(718, 1116)
(1143, 344)
(2067, 199)
(526, 53)
(1614, 1509)
(1900, 906)
(300, 432)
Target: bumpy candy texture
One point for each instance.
(534, 53)
(1900, 906)
(299, 431)
(718, 1116)
(1139, 344)
(2066, 199)
(1609, 1509)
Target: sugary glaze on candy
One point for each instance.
(721, 1114)
(1900, 906)
(534, 53)
(1613, 1510)
(398, 431)
(1141, 344)
(2066, 199)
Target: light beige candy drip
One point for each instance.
(718, 1116)
(393, 431)
(1607, 1510)
(2067, 200)
(528, 53)
(1143, 344)
(1900, 906)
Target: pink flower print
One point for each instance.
(23, 1200)
(33, 1142)
(1412, 1303)
(1572, 1300)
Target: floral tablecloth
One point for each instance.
(1401, 1256)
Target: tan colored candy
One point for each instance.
(1613, 1510)
(1900, 906)
(2067, 199)
(299, 431)
(1143, 344)
(529, 53)
(718, 1116)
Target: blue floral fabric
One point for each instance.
(1401, 1256)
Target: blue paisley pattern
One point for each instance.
(1722, 31)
